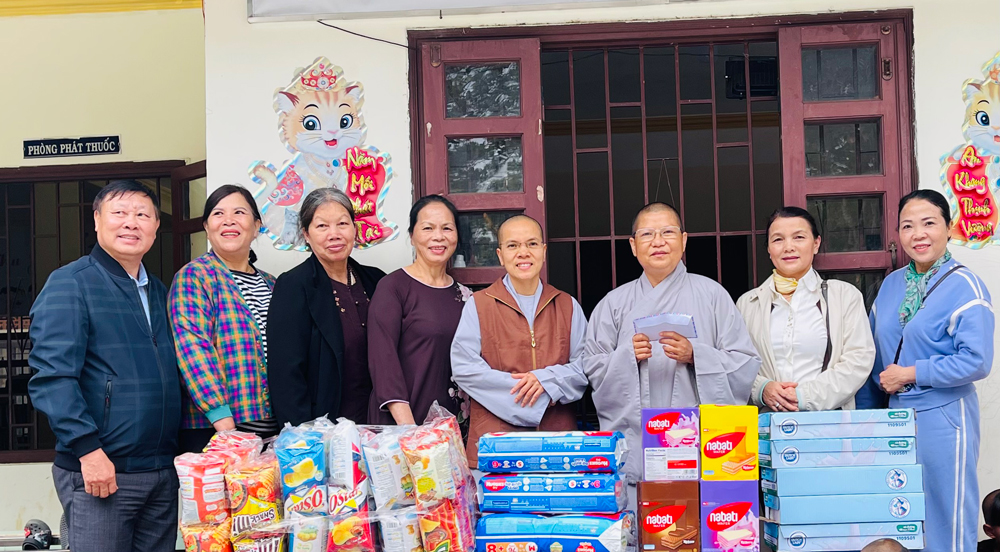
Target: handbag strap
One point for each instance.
(899, 349)
(829, 339)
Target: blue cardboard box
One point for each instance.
(596, 493)
(553, 451)
(809, 510)
(849, 480)
(565, 533)
(831, 424)
(841, 536)
(816, 453)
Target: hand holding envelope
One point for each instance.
(674, 330)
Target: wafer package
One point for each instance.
(202, 479)
(542, 451)
(730, 516)
(603, 493)
(669, 516)
(729, 443)
(561, 533)
(670, 444)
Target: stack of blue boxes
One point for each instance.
(839, 480)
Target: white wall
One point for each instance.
(245, 63)
(139, 75)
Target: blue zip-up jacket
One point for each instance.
(105, 376)
(950, 340)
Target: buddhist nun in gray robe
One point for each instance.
(723, 363)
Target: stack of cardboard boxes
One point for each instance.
(839, 480)
(700, 489)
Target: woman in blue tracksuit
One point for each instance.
(930, 348)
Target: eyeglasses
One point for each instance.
(646, 235)
(514, 246)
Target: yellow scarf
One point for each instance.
(784, 286)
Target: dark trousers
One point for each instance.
(140, 517)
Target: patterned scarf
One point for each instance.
(916, 286)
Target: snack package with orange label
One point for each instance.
(207, 538)
(254, 494)
(445, 527)
(202, 479)
(302, 462)
(433, 463)
(729, 443)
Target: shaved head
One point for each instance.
(655, 207)
(514, 219)
(884, 545)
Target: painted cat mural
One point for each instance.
(971, 174)
(320, 121)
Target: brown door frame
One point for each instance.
(184, 227)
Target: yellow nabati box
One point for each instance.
(729, 443)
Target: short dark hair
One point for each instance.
(119, 188)
(424, 202)
(655, 207)
(225, 191)
(790, 211)
(991, 508)
(932, 196)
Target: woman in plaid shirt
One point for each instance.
(218, 305)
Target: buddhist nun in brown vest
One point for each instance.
(518, 350)
(630, 371)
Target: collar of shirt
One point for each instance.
(809, 283)
(143, 279)
(527, 303)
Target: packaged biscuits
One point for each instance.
(669, 516)
(729, 443)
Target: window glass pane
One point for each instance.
(22, 408)
(46, 205)
(166, 198)
(562, 266)
(19, 194)
(623, 75)
(560, 217)
(730, 93)
(830, 74)
(194, 198)
(21, 285)
(737, 265)
(661, 89)
(699, 168)
(588, 97)
(734, 189)
(766, 160)
(867, 282)
(595, 273)
(4, 419)
(763, 69)
(477, 165)
(592, 179)
(555, 78)
(626, 163)
(627, 267)
(69, 234)
(700, 256)
(91, 189)
(696, 75)
(664, 181)
(483, 90)
(478, 236)
(195, 246)
(69, 192)
(22, 438)
(46, 260)
(764, 265)
(848, 223)
(842, 149)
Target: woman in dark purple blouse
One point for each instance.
(412, 320)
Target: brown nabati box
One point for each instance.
(669, 516)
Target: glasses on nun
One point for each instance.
(646, 235)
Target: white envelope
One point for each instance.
(651, 326)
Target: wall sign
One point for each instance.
(971, 174)
(321, 123)
(70, 147)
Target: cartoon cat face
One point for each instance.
(324, 123)
(982, 116)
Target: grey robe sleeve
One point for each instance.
(725, 371)
(566, 383)
(613, 373)
(489, 387)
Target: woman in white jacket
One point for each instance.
(813, 335)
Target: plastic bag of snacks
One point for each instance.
(389, 477)
(349, 526)
(308, 533)
(302, 461)
(439, 418)
(242, 444)
(344, 462)
(202, 479)
(260, 541)
(445, 527)
(400, 531)
(207, 538)
(254, 494)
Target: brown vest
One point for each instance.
(509, 345)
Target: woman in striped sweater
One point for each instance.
(218, 306)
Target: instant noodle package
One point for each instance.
(207, 538)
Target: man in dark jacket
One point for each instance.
(106, 377)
